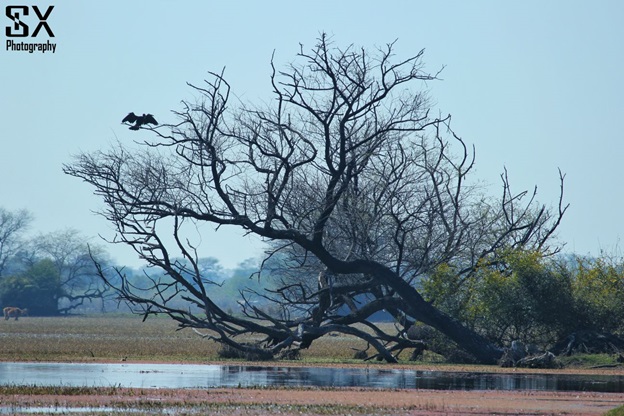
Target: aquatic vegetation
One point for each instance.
(618, 411)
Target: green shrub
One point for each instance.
(531, 298)
(598, 288)
(618, 411)
(523, 296)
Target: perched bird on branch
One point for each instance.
(139, 120)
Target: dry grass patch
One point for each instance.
(117, 337)
(101, 338)
(127, 337)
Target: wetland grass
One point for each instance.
(110, 338)
(618, 411)
(115, 337)
(101, 338)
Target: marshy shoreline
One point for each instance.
(307, 401)
(114, 339)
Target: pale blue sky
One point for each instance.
(534, 85)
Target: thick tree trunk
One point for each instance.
(482, 349)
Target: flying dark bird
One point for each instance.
(139, 120)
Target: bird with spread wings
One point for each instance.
(139, 120)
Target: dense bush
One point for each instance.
(532, 298)
(598, 287)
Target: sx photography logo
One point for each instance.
(19, 32)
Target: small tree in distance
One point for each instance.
(38, 289)
(72, 255)
(53, 274)
(12, 226)
(358, 187)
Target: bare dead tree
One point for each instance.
(348, 175)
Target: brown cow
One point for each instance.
(13, 312)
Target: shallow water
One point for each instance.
(207, 376)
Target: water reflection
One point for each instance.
(206, 376)
(547, 382)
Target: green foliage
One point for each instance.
(526, 296)
(38, 288)
(521, 296)
(618, 411)
(598, 287)
(584, 360)
(449, 292)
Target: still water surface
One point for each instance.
(207, 376)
